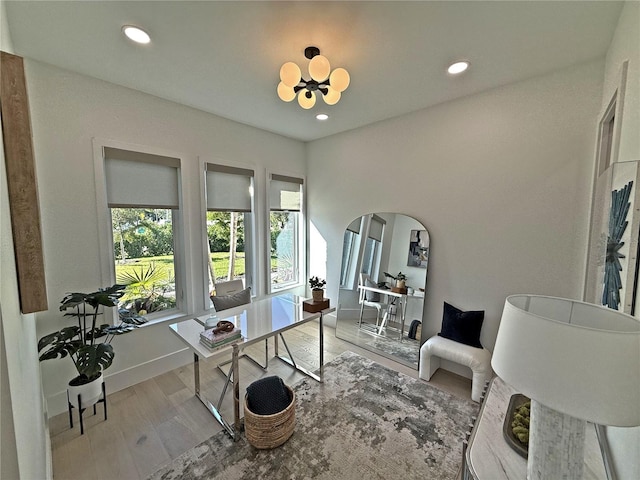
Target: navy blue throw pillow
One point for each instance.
(462, 327)
(267, 396)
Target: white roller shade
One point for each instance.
(228, 188)
(285, 193)
(376, 228)
(136, 179)
(355, 225)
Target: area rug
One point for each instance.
(364, 421)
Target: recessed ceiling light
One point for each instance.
(322, 116)
(136, 34)
(458, 67)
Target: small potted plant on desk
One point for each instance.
(88, 344)
(400, 282)
(317, 288)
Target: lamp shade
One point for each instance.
(340, 79)
(304, 101)
(579, 359)
(319, 68)
(332, 97)
(285, 92)
(290, 74)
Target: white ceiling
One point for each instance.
(224, 57)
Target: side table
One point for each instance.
(489, 457)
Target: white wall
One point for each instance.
(625, 442)
(68, 110)
(499, 179)
(625, 45)
(24, 446)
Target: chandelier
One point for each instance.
(329, 84)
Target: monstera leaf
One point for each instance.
(93, 359)
(104, 296)
(60, 344)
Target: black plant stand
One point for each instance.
(81, 410)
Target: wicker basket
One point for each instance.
(270, 431)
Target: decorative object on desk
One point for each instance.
(313, 306)
(211, 322)
(516, 424)
(317, 288)
(269, 413)
(460, 326)
(223, 326)
(617, 225)
(377, 424)
(214, 339)
(573, 357)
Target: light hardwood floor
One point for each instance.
(155, 421)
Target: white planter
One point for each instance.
(90, 393)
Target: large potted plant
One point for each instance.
(87, 343)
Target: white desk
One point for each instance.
(258, 321)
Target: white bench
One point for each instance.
(477, 359)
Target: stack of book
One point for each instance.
(215, 341)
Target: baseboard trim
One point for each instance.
(57, 403)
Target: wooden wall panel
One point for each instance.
(22, 187)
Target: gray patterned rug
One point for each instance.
(364, 422)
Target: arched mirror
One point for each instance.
(382, 283)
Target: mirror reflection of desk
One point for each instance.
(393, 299)
(489, 457)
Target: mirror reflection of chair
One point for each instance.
(372, 299)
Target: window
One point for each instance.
(372, 247)
(350, 244)
(143, 199)
(229, 226)
(285, 229)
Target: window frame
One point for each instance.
(251, 256)
(301, 237)
(105, 232)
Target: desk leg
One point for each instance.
(290, 360)
(196, 373)
(214, 411)
(403, 306)
(320, 371)
(236, 393)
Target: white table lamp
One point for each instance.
(577, 362)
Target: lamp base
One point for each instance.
(556, 445)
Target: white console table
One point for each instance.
(489, 457)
